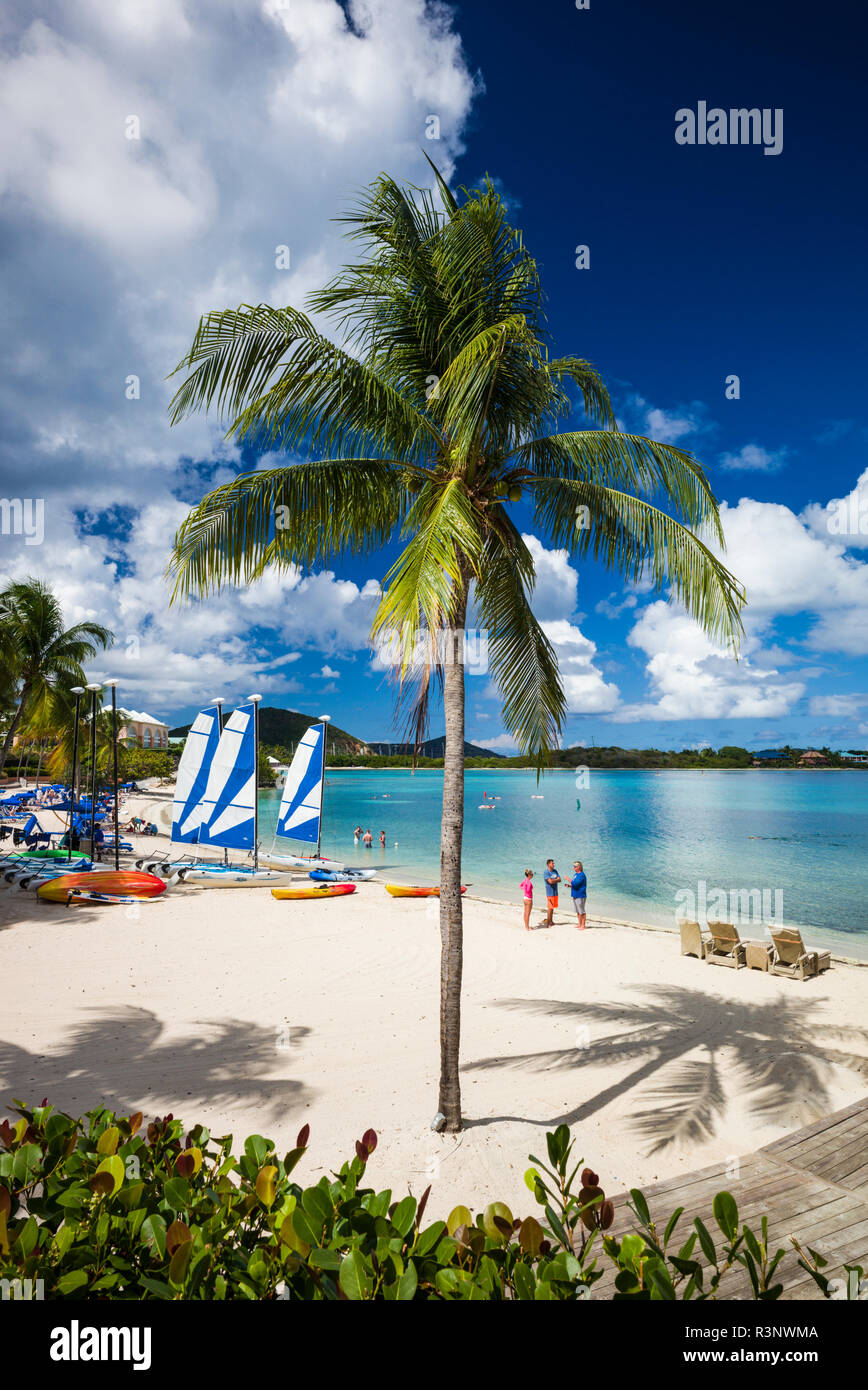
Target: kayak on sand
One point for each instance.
(398, 890)
(319, 890)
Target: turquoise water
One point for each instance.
(647, 840)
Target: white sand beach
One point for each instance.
(254, 1015)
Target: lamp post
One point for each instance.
(94, 689)
(77, 691)
(254, 700)
(325, 720)
(219, 701)
(112, 684)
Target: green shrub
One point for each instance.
(101, 1208)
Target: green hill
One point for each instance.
(282, 729)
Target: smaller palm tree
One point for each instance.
(42, 658)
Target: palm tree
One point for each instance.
(42, 657)
(433, 414)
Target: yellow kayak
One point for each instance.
(315, 890)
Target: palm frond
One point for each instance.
(630, 462)
(522, 661)
(638, 541)
(301, 515)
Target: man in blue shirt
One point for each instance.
(579, 894)
(552, 878)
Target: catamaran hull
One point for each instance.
(298, 861)
(347, 876)
(234, 878)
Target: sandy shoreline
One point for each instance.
(253, 1015)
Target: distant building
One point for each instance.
(813, 759)
(769, 755)
(139, 730)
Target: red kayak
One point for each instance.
(123, 883)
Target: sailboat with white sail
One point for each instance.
(300, 814)
(216, 799)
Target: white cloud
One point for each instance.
(257, 123)
(844, 520)
(787, 570)
(666, 426)
(753, 458)
(329, 673)
(837, 706)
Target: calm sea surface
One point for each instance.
(648, 841)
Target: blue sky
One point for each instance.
(705, 261)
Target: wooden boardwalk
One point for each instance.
(812, 1184)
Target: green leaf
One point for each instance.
(114, 1167)
(407, 1284)
(726, 1214)
(404, 1215)
(354, 1278)
(641, 1206)
(153, 1233)
(68, 1283)
(458, 1216)
(523, 1282)
(705, 1241)
(27, 1163)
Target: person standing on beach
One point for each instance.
(526, 887)
(579, 893)
(552, 878)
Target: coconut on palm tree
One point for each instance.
(41, 657)
(430, 418)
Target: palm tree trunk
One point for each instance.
(451, 830)
(13, 728)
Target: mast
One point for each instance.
(254, 700)
(78, 691)
(219, 702)
(324, 720)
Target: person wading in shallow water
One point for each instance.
(526, 887)
(579, 893)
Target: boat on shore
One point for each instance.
(315, 890)
(400, 890)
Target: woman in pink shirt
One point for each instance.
(526, 887)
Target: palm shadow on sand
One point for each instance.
(124, 1060)
(776, 1054)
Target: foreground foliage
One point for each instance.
(100, 1207)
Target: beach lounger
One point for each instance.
(693, 941)
(791, 958)
(726, 947)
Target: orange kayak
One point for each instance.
(397, 890)
(315, 890)
(127, 883)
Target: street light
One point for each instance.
(112, 684)
(94, 688)
(77, 691)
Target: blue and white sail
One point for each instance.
(229, 802)
(301, 803)
(193, 770)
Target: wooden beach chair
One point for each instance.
(726, 946)
(693, 940)
(791, 958)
